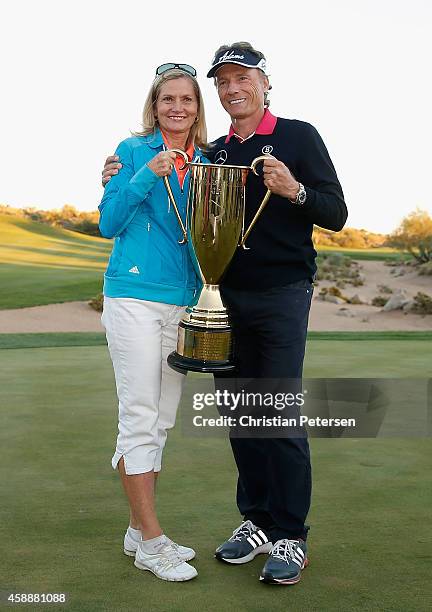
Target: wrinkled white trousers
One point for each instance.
(140, 336)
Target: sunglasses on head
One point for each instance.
(185, 67)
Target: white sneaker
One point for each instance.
(131, 541)
(166, 563)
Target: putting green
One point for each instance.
(63, 512)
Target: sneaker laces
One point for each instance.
(284, 550)
(173, 544)
(169, 556)
(244, 531)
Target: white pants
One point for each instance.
(140, 336)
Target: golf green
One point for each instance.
(63, 512)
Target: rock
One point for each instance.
(334, 299)
(356, 299)
(397, 301)
(345, 312)
(408, 306)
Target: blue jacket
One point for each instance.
(146, 262)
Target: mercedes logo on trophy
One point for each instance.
(214, 230)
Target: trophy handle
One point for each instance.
(263, 203)
(171, 195)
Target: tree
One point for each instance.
(414, 235)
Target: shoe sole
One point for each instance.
(131, 553)
(285, 582)
(147, 569)
(259, 550)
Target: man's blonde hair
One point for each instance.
(198, 132)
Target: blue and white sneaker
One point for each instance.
(246, 542)
(285, 563)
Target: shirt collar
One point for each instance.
(266, 126)
(155, 140)
(189, 151)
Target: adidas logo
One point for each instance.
(134, 270)
(258, 538)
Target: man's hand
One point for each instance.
(279, 179)
(162, 164)
(112, 166)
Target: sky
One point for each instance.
(75, 75)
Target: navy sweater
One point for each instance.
(280, 244)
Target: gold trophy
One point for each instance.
(214, 230)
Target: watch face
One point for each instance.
(301, 196)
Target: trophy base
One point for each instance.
(201, 349)
(185, 364)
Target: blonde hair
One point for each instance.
(198, 132)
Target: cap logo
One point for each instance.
(267, 149)
(229, 55)
(262, 65)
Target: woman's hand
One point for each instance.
(162, 164)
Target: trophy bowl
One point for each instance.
(214, 230)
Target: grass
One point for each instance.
(378, 254)
(38, 340)
(40, 264)
(63, 512)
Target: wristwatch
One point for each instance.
(300, 198)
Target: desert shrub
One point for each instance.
(67, 217)
(335, 291)
(426, 269)
(338, 260)
(414, 236)
(384, 289)
(348, 238)
(338, 267)
(97, 302)
(379, 300)
(422, 303)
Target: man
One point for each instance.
(268, 291)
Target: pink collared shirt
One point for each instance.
(266, 126)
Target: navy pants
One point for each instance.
(274, 482)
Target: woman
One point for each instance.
(148, 282)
